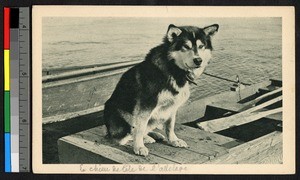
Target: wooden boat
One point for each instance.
(242, 125)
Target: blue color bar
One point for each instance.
(7, 152)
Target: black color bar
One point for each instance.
(14, 18)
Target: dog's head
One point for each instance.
(190, 47)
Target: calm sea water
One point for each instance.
(250, 47)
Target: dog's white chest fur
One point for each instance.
(168, 103)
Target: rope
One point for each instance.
(229, 80)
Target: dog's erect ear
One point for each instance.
(211, 30)
(173, 31)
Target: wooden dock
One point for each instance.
(73, 110)
(252, 141)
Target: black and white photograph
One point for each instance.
(163, 90)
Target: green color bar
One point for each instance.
(6, 111)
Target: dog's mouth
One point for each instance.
(191, 68)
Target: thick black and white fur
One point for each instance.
(149, 94)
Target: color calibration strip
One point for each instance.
(7, 134)
(17, 89)
(14, 88)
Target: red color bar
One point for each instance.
(6, 28)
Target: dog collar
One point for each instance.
(190, 78)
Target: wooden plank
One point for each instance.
(276, 116)
(179, 155)
(71, 152)
(232, 144)
(252, 103)
(114, 73)
(201, 135)
(88, 71)
(195, 108)
(243, 151)
(264, 90)
(261, 106)
(203, 142)
(237, 107)
(113, 154)
(93, 142)
(265, 95)
(93, 113)
(234, 120)
(273, 155)
(227, 105)
(59, 70)
(77, 96)
(234, 107)
(101, 146)
(240, 118)
(164, 150)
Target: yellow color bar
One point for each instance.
(6, 71)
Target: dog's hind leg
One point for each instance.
(126, 139)
(156, 136)
(148, 139)
(152, 125)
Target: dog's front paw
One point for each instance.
(179, 143)
(143, 151)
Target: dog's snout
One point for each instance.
(197, 61)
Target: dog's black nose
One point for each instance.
(197, 61)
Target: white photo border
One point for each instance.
(288, 77)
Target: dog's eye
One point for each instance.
(186, 47)
(201, 47)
